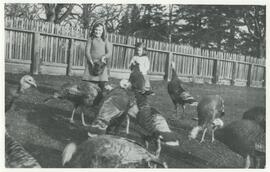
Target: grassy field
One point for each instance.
(44, 129)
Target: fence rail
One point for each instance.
(55, 49)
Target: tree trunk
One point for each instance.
(85, 16)
(50, 12)
(261, 52)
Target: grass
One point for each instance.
(44, 130)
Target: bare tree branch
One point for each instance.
(249, 26)
(66, 14)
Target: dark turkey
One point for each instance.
(257, 114)
(11, 93)
(246, 138)
(16, 156)
(154, 125)
(113, 109)
(209, 108)
(136, 78)
(178, 94)
(81, 95)
(108, 151)
(97, 68)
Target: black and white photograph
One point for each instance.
(134, 85)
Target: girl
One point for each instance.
(144, 65)
(97, 48)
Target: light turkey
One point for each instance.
(113, 109)
(154, 125)
(246, 138)
(208, 109)
(177, 93)
(16, 156)
(12, 93)
(257, 114)
(108, 151)
(81, 95)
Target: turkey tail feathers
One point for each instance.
(194, 103)
(194, 132)
(16, 156)
(188, 98)
(158, 163)
(68, 152)
(170, 138)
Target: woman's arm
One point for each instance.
(108, 50)
(88, 50)
(132, 61)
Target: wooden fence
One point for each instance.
(48, 48)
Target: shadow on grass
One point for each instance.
(46, 157)
(189, 159)
(11, 81)
(53, 121)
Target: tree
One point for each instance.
(234, 28)
(28, 11)
(130, 20)
(88, 15)
(145, 20)
(194, 31)
(255, 20)
(231, 28)
(111, 15)
(57, 13)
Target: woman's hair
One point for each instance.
(104, 33)
(140, 45)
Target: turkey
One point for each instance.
(154, 125)
(11, 94)
(113, 109)
(16, 156)
(244, 137)
(137, 80)
(257, 114)
(136, 77)
(209, 108)
(177, 93)
(109, 87)
(81, 95)
(97, 67)
(108, 151)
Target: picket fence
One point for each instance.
(47, 48)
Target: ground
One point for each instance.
(44, 130)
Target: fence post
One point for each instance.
(249, 76)
(264, 77)
(168, 66)
(70, 57)
(35, 67)
(233, 73)
(215, 71)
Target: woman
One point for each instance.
(98, 48)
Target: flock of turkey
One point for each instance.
(126, 102)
